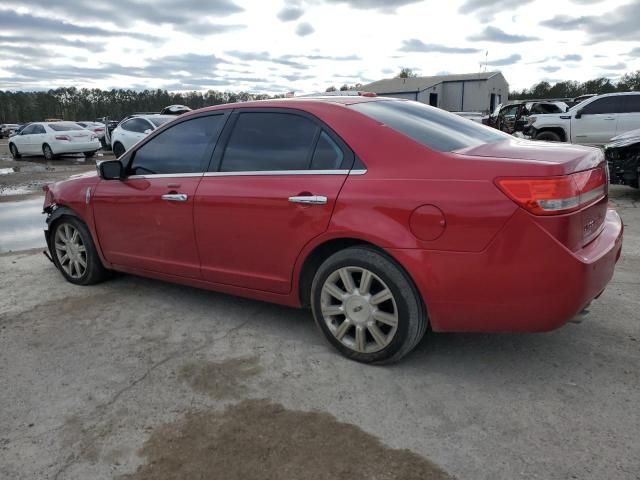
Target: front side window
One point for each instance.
(432, 127)
(605, 105)
(179, 149)
(28, 130)
(263, 141)
(138, 125)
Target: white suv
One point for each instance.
(592, 122)
(131, 130)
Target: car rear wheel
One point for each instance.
(367, 307)
(74, 252)
(548, 136)
(14, 151)
(118, 149)
(47, 152)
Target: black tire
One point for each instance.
(14, 151)
(548, 136)
(411, 314)
(90, 154)
(118, 149)
(94, 271)
(47, 152)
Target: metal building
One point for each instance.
(468, 92)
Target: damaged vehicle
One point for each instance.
(623, 156)
(512, 117)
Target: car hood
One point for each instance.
(628, 138)
(573, 157)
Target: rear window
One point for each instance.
(64, 127)
(157, 121)
(430, 126)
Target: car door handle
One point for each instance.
(175, 197)
(309, 199)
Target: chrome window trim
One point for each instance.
(249, 173)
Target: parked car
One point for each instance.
(133, 129)
(383, 215)
(175, 110)
(594, 121)
(95, 127)
(580, 98)
(473, 116)
(512, 117)
(623, 155)
(7, 129)
(53, 139)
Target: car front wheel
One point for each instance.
(367, 307)
(74, 252)
(14, 151)
(118, 149)
(548, 136)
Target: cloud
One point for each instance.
(494, 34)
(635, 52)
(266, 57)
(510, 60)
(618, 24)
(415, 45)
(91, 45)
(574, 57)
(342, 58)
(290, 13)
(615, 66)
(487, 9)
(303, 29)
(384, 6)
(14, 22)
(550, 68)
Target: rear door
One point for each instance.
(38, 138)
(146, 220)
(598, 122)
(629, 117)
(270, 190)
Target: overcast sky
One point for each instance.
(307, 45)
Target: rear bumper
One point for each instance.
(525, 281)
(76, 147)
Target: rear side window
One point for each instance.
(603, 106)
(630, 103)
(179, 149)
(430, 126)
(137, 125)
(64, 127)
(263, 141)
(327, 155)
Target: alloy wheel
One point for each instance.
(359, 309)
(70, 250)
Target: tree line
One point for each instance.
(572, 89)
(88, 104)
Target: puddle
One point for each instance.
(9, 191)
(7, 171)
(220, 380)
(21, 224)
(257, 439)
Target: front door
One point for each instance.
(597, 122)
(146, 220)
(25, 140)
(272, 190)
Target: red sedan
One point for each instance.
(384, 216)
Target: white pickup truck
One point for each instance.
(592, 122)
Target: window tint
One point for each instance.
(602, 105)
(269, 141)
(64, 127)
(180, 149)
(432, 127)
(630, 103)
(29, 129)
(138, 125)
(327, 155)
(157, 121)
(38, 129)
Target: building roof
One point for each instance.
(417, 84)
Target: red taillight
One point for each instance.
(98, 129)
(556, 195)
(63, 137)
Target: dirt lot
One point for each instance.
(138, 379)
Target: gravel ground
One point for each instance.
(138, 379)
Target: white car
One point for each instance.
(594, 121)
(132, 130)
(51, 139)
(95, 127)
(7, 129)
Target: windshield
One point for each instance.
(430, 126)
(159, 120)
(64, 126)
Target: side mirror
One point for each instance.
(579, 113)
(147, 131)
(110, 170)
